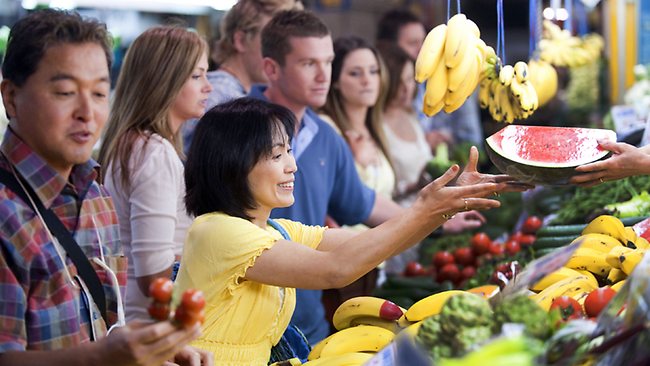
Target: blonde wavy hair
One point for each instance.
(155, 68)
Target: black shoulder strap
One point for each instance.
(85, 269)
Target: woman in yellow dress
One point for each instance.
(239, 168)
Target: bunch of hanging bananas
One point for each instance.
(507, 93)
(608, 253)
(560, 48)
(543, 76)
(450, 61)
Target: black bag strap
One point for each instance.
(84, 268)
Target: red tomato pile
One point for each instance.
(187, 313)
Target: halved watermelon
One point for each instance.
(545, 155)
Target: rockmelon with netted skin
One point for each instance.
(545, 155)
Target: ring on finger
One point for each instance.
(495, 194)
(447, 216)
(601, 180)
(466, 207)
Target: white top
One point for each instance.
(408, 157)
(152, 216)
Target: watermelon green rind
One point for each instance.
(550, 141)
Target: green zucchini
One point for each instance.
(542, 252)
(553, 241)
(629, 221)
(560, 230)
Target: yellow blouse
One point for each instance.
(243, 319)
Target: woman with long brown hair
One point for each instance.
(162, 84)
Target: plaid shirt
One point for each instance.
(39, 308)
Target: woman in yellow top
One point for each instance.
(238, 169)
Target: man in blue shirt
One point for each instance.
(298, 52)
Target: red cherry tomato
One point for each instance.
(597, 300)
(468, 272)
(496, 249)
(187, 318)
(464, 256)
(449, 272)
(414, 269)
(442, 258)
(512, 247)
(531, 225)
(161, 290)
(481, 243)
(193, 300)
(568, 307)
(159, 311)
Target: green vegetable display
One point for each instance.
(522, 309)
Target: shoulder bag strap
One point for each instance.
(78, 257)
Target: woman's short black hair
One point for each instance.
(228, 141)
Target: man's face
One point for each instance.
(62, 107)
(304, 80)
(410, 38)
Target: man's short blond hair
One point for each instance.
(246, 16)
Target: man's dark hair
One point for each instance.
(276, 35)
(392, 21)
(229, 140)
(34, 34)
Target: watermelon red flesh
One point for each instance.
(642, 228)
(545, 155)
(553, 147)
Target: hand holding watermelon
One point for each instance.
(626, 161)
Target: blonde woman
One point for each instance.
(162, 83)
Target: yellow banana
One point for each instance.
(608, 225)
(436, 86)
(362, 338)
(462, 72)
(473, 28)
(431, 53)
(494, 107)
(403, 322)
(521, 71)
(590, 260)
(630, 260)
(613, 257)
(566, 287)
(430, 110)
(484, 93)
(348, 359)
(430, 305)
(505, 105)
(506, 75)
(365, 306)
(617, 286)
(456, 41)
(553, 277)
(600, 242)
(317, 348)
(412, 330)
(391, 325)
(521, 92)
(641, 243)
(615, 275)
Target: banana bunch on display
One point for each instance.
(543, 76)
(507, 94)
(368, 310)
(450, 61)
(562, 49)
(608, 253)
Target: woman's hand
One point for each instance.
(471, 175)
(625, 161)
(463, 221)
(438, 197)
